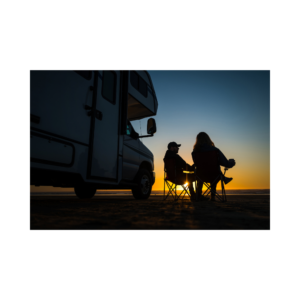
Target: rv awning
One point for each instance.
(142, 101)
(136, 110)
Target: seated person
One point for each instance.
(204, 144)
(181, 166)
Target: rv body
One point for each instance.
(80, 130)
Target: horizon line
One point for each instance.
(157, 190)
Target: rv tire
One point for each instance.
(144, 181)
(84, 191)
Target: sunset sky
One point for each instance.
(232, 107)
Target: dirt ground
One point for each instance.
(124, 212)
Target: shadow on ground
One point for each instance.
(124, 212)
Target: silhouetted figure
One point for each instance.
(181, 166)
(205, 144)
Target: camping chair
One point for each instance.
(172, 182)
(208, 173)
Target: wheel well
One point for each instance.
(146, 165)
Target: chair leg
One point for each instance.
(188, 192)
(208, 189)
(223, 192)
(181, 197)
(198, 183)
(185, 192)
(164, 183)
(198, 190)
(169, 193)
(225, 198)
(171, 190)
(221, 198)
(165, 197)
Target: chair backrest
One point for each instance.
(207, 165)
(170, 168)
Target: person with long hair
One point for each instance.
(205, 144)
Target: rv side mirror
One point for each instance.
(134, 135)
(151, 126)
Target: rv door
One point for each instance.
(104, 140)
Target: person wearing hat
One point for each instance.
(181, 166)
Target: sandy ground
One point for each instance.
(124, 212)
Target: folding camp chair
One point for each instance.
(171, 181)
(207, 172)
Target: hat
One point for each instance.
(173, 144)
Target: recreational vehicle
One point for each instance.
(81, 134)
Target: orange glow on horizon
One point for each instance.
(246, 175)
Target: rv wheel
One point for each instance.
(84, 191)
(143, 190)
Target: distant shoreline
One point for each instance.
(155, 192)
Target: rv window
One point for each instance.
(85, 74)
(142, 86)
(138, 83)
(131, 132)
(128, 129)
(109, 86)
(134, 79)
